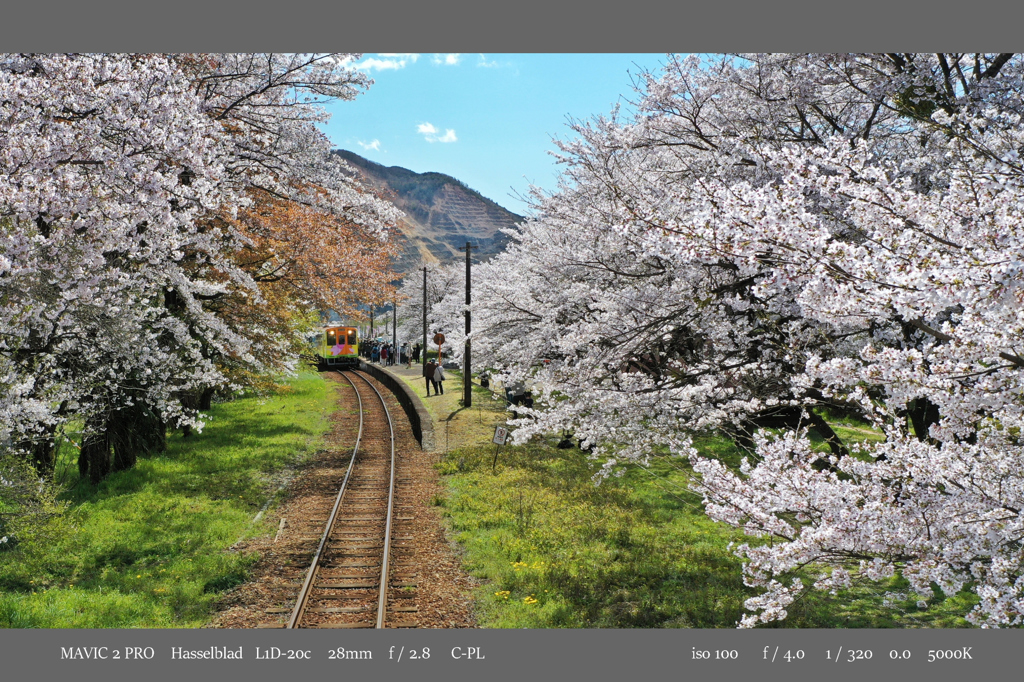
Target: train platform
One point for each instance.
(453, 425)
(416, 372)
(400, 370)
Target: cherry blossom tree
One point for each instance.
(446, 292)
(940, 507)
(772, 234)
(125, 178)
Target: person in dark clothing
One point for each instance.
(416, 353)
(428, 374)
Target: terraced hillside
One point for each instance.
(441, 213)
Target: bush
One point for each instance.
(31, 517)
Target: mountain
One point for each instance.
(441, 213)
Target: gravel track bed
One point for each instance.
(421, 552)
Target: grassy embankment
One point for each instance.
(152, 547)
(554, 550)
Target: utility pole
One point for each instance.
(394, 325)
(423, 357)
(371, 321)
(467, 375)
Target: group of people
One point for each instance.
(385, 353)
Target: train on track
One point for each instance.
(338, 348)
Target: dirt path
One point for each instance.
(442, 593)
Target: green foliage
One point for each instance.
(918, 103)
(31, 516)
(152, 545)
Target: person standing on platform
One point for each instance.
(428, 374)
(439, 378)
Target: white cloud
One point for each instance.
(483, 62)
(446, 59)
(391, 60)
(367, 146)
(430, 133)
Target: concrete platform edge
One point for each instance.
(419, 418)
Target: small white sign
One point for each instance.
(500, 434)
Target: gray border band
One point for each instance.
(513, 655)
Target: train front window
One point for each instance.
(351, 337)
(331, 337)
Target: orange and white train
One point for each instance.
(339, 347)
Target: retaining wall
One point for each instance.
(422, 424)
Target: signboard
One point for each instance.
(439, 338)
(500, 434)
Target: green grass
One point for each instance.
(555, 550)
(454, 425)
(558, 551)
(152, 544)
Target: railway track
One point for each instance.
(360, 574)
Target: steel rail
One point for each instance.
(314, 568)
(382, 600)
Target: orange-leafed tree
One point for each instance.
(328, 262)
(302, 260)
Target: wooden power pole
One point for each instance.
(467, 373)
(423, 357)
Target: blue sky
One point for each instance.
(487, 120)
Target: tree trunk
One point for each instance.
(206, 399)
(95, 456)
(189, 401)
(134, 431)
(923, 413)
(790, 418)
(835, 444)
(41, 451)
